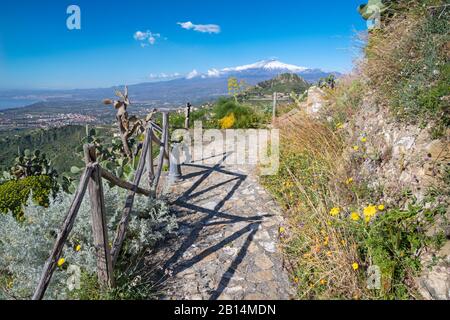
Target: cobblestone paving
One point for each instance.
(226, 246)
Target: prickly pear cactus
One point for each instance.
(29, 164)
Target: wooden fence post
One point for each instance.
(188, 116)
(166, 141)
(98, 219)
(61, 239)
(274, 108)
(150, 166)
(123, 223)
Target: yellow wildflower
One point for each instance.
(354, 216)
(78, 248)
(363, 139)
(228, 121)
(356, 148)
(323, 281)
(282, 230)
(339, 126)
(335, 211)
(329, 253)
(355, 266)
(369, 212)
(381, 207)
(61, 261)
(325, 242)
(349, 181)
(296, 280)
(343, 242)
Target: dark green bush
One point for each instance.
(14, 194)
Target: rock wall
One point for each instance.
(404, 157)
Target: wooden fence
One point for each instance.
(91, 181)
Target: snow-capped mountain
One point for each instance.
(260, 71)
(268, 65)
(197, 86)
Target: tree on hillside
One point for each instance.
(236, 87)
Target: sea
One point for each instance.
(15, 103)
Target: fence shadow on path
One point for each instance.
(187, 201)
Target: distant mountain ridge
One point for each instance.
(195, 87)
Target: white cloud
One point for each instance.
(164, 76)
(213, 73)
(145, 37)
(194, 73)
(204, 28)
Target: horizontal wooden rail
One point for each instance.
(67, 226)
(122, 184)
(156, 127)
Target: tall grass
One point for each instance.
(407, 61)
(309, 184)
(337, 227)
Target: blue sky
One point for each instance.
(38, 51)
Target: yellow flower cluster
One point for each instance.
(228, 121)
(60, 262)
(354, 216)
(335, 211)
(349, 181)
(369, 212)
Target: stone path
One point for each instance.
(227, 243)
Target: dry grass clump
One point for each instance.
(311, 184)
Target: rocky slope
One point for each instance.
(403, 158)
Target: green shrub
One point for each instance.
(392, 243)
(14, 194)
(245, 116)
(25, 246)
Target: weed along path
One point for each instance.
(227, 242)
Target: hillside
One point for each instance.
(364, 169)
(61, 145)
(285, 83)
